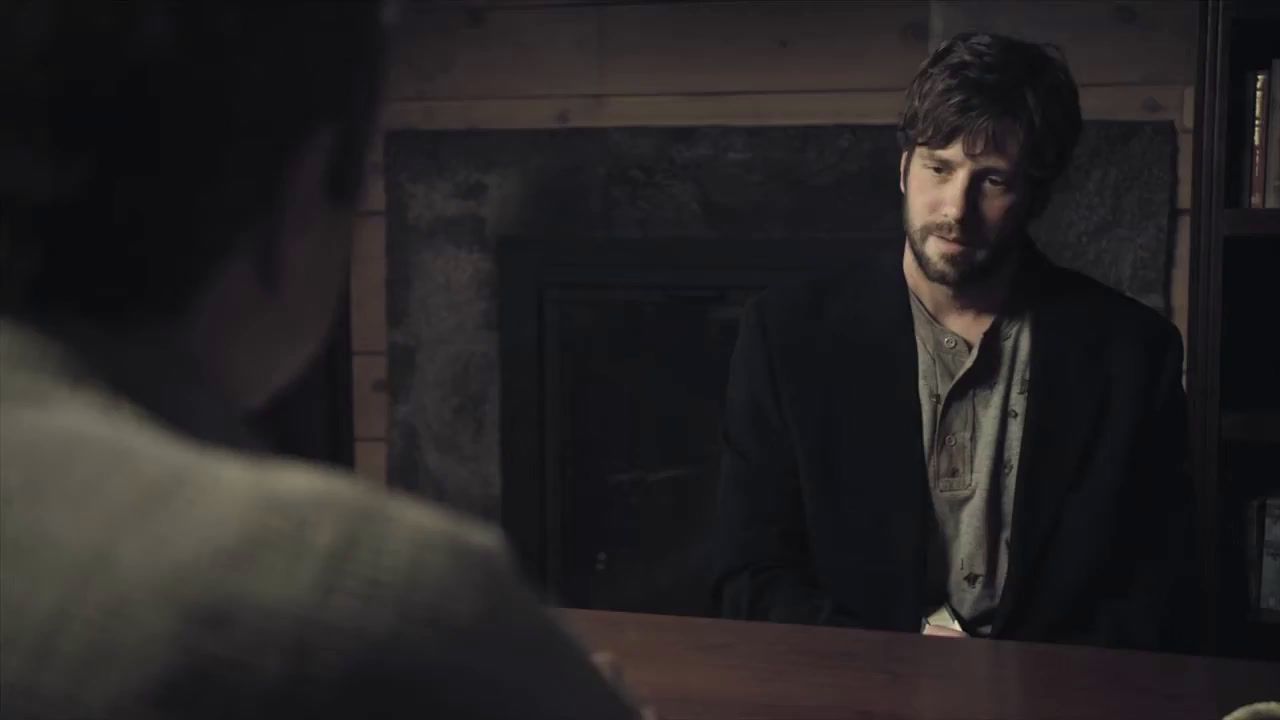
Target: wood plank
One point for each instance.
(369, 285)
(871, 107)
(783, 45)
(799, 108)
(447, 51)
(1149, 42)
(373, 197)
(1186, 153)
(1131, 102)
(371, 461)
(1188, 123)
(452, 52)
(1180, 274)
(369, 400)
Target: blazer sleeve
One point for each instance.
(764, 564)
(1158, 603)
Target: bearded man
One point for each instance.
(961, 438)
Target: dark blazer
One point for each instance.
(824, 506)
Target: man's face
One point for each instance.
(961, 213)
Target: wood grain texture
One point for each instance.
(531, 50)
(798, 108)
(704, 668)
(369, 285)
(1143, 42)
(655, 48)
(1186, 151)
(871, 107)
(1188, 122)
(794, 45)
(371, 461)
(1180, 274)
(369, 396)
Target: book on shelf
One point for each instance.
(1263, 528)
(1256, 161)
(1271, 195)
(1269, 596)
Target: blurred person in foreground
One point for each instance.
(177, 188)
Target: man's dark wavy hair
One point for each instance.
(997, 91)
(140, 138)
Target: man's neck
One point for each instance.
(969, 310)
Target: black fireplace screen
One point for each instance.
(634, 389)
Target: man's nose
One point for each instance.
(957, 197)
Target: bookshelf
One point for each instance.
(1233, 388)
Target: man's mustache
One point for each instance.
(950, 231)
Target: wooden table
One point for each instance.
(705, 668)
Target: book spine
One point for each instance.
(1269, 573)
(1258, 148)
(1272, 199)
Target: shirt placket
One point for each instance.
(953, 472)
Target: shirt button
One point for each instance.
(950, 342)
(1013, 414)
(950, 440)
(936, 398)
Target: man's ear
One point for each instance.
(306, 190)
(902, 171)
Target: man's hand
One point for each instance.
(942, 623)
(940, 631)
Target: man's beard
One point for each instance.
(965, 268)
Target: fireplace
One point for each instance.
(562, 306)
(615, 357)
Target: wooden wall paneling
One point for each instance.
(1131, 102)
(1148, 42)
(371, 461)
(1186, 148)
(369, 396)
(1188, 122)
(1180, 275)
(798, 108)
(661, 48)
(373, 199)
(869, 107)
(457, 52)
(786, 45)
(781, 45)
(369, 285)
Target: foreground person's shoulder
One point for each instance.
(436, 612)
(329, 500)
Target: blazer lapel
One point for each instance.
(883, 493)
(1066, 391)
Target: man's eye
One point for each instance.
(935, 169)
(997, 182)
